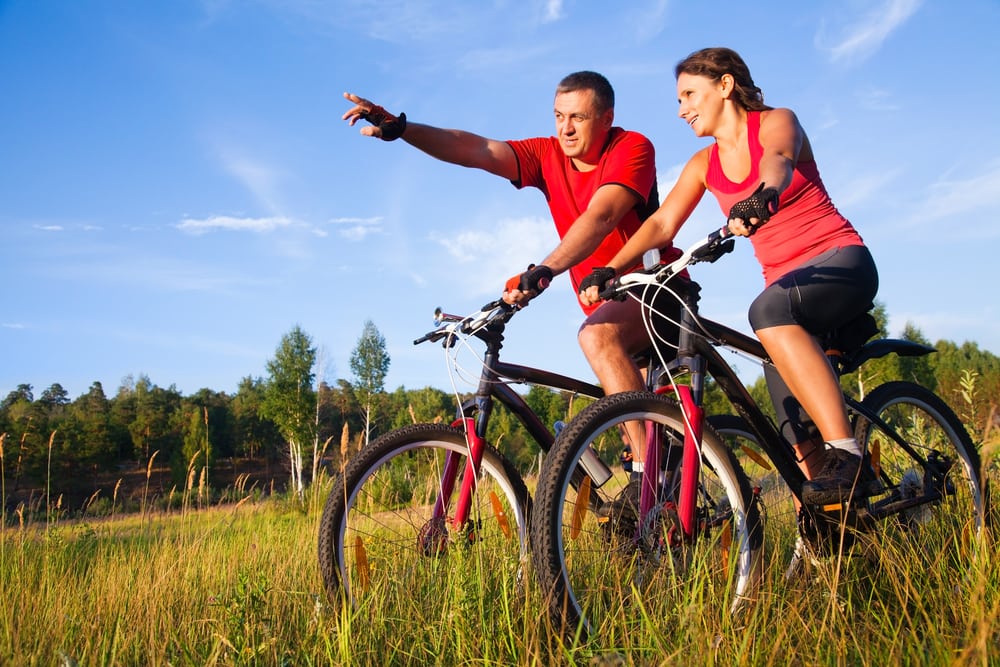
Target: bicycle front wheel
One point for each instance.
(931, 479)
(381, 544)
(596, 570)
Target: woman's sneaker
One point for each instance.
(844, 476)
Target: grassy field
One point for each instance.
(238, 584)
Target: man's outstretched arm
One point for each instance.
(455, 146)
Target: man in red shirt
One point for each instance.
(600, 184)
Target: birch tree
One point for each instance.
(369, 364)
(290, 400)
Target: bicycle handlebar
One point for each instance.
(709, 249)
(452, 325)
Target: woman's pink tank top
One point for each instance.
(807, 223)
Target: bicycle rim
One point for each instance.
(594, 570)
(381, 547)
(776, 501)
(935, 491)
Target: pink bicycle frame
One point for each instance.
(475, 458)
(690, 461)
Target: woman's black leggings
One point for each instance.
(828, 291)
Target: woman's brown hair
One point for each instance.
(716, 61)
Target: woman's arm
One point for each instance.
(660, 228)
(782, 139)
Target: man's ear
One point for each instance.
(608, 118)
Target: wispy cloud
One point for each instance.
(952, 199)
(512, 57)
(497, 252)
(865, 34)
(649, 19)
(357, 229)
(864, 188)
(666, 179)
(553, 11)
(260, 179)
(876, 99)
(12, 325)
(226, 223)
(412, 20)
(54, 227)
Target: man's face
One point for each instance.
(581, 129)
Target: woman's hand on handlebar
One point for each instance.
(747, 215)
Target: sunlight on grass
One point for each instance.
(238, 584)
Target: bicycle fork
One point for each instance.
(690, 398)
(433, 539)
(476, 445)
(686, 501)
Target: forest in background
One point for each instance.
(99, 451)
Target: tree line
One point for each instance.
(300, 424)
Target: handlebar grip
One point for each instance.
(613, 292)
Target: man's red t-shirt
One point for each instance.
(628, 160)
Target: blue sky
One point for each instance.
(177, 190)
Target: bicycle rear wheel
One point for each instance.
(380, 545)
(933, 484)
(591, 572)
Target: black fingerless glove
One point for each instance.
(535, 279)
(392, 127)
(599, 278)
(762, 204)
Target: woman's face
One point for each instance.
(701, 102)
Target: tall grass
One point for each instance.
(238, 584)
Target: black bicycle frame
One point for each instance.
(698, 354)
(495, 383)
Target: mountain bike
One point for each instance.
(424, 493)
(427, 491)
(691, 525)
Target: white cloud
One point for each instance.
(876, 99)
(260, 179)
(864, 188)
(665, 180)
(497, 253)
(228, 223)
(650, 19)
(12, 325)
(50, 228)
(866, 34)
(950, 199)
(506, 57)
(357, 229)
(553, 11)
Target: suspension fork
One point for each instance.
(453, 460)
(477, 446)
(690, 459)
(475, 440)
(690, 397)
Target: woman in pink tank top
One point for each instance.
(818, 274)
